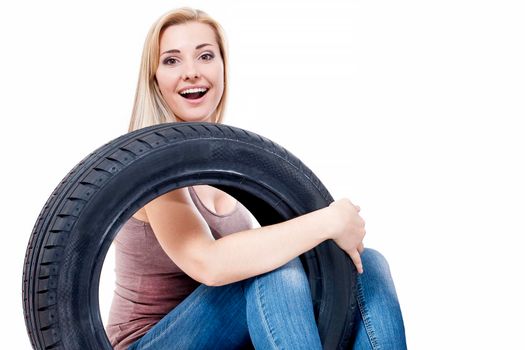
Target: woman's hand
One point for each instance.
(348, 229)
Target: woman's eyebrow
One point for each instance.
(178, 51)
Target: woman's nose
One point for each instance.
(190, 72)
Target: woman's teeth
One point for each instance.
(193, 93)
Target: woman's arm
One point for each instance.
(186, 238)
(249, 253)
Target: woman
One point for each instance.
(181, 287)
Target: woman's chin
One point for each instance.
(196, 118)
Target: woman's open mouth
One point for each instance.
(193, 93)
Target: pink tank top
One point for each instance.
(148, 284)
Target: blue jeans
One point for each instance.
(274, 311)
(380, 323)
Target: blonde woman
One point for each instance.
(191, 271)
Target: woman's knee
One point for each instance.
(376, 271)
(289, 276)
(291, 273)
(371, 258)
(288, 282)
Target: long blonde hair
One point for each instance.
(149, 107)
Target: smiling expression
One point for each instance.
(190, 74)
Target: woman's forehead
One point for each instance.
(187, 36)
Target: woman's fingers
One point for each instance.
(356, 258)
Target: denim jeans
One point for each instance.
(380, 323)
(274, 311)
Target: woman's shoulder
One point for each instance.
(221, 211)
(207, 200)
(140, 215)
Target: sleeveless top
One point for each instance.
(148, 284)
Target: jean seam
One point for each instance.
(369, 328)
(266, 323)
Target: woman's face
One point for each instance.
(191, 72)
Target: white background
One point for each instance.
(412, 109)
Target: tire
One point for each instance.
(79, 221)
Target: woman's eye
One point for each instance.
(170, 61)
(207, 56)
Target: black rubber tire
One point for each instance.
(79, 221)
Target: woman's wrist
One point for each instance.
(329, 220)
